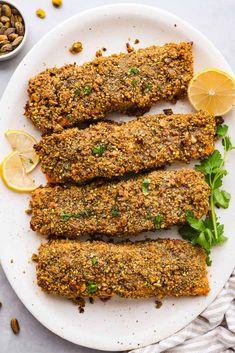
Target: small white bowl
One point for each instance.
(14, 52)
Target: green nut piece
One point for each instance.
(41, 13)
(57, 3)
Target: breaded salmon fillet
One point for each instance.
(110, 149)
(152, 268)
(156, 200)
(128, 83)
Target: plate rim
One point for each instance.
(91, 11)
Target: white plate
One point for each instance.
(118, 324)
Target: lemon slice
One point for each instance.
(14, 175)
(212, 90)
(23, 142)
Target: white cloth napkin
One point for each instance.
(211, 332)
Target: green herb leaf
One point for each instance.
(87, 89)
(226, 142)
(94, 260)
(87, 212)
(30, 161)
(98, 150)
(114, 212)
(67, 216)
(145, 185)
(157, 221)
(134, 83)
(133, 71)
(209, 232)
(211, 164)
(221, 198)
(222, 130)
(148, 88)
(92, 287)
(193, 222)
(77, 92)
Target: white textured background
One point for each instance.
(214, 18)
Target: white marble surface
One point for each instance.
(214, 18)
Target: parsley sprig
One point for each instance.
(209, 232)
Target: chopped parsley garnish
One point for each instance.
(209, 232)
(67, 216)
(91, 287)
(77, 92)
(30, 161)
(114, 212)
(98, 150)
(94, 260)
(145, 185)
(133, 71)
(134, 83)
(86, 213)
(148, 88)
(87, 89)
(157, 220)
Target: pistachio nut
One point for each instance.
(9, 30)
(8, 24)
(6, 48)
(6, 10)
(3, 42)
(12, 36)
(14, 11)
(18, 18)
(3, 37)
(3, 29)
(4, 19)
(12, 20)
(17, 41)
(19, 28)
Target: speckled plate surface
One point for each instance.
(118, 324)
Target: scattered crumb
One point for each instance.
(0, 305)
(57, 3)
(76, 48)
(158, 304)
(136, 41)
(91, 300)
(168, 111)
(24, 272)
(129, 48)
(175, 25)
(28, 211)
(105, 299)
(34, 257)
(81, 304)
(41, 13)
(12, 261)
(15, 325)
(128, 39)
(98, 53)
(104, 49)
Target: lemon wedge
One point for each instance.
(14, 174)
(23, 142)
(212, 90)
